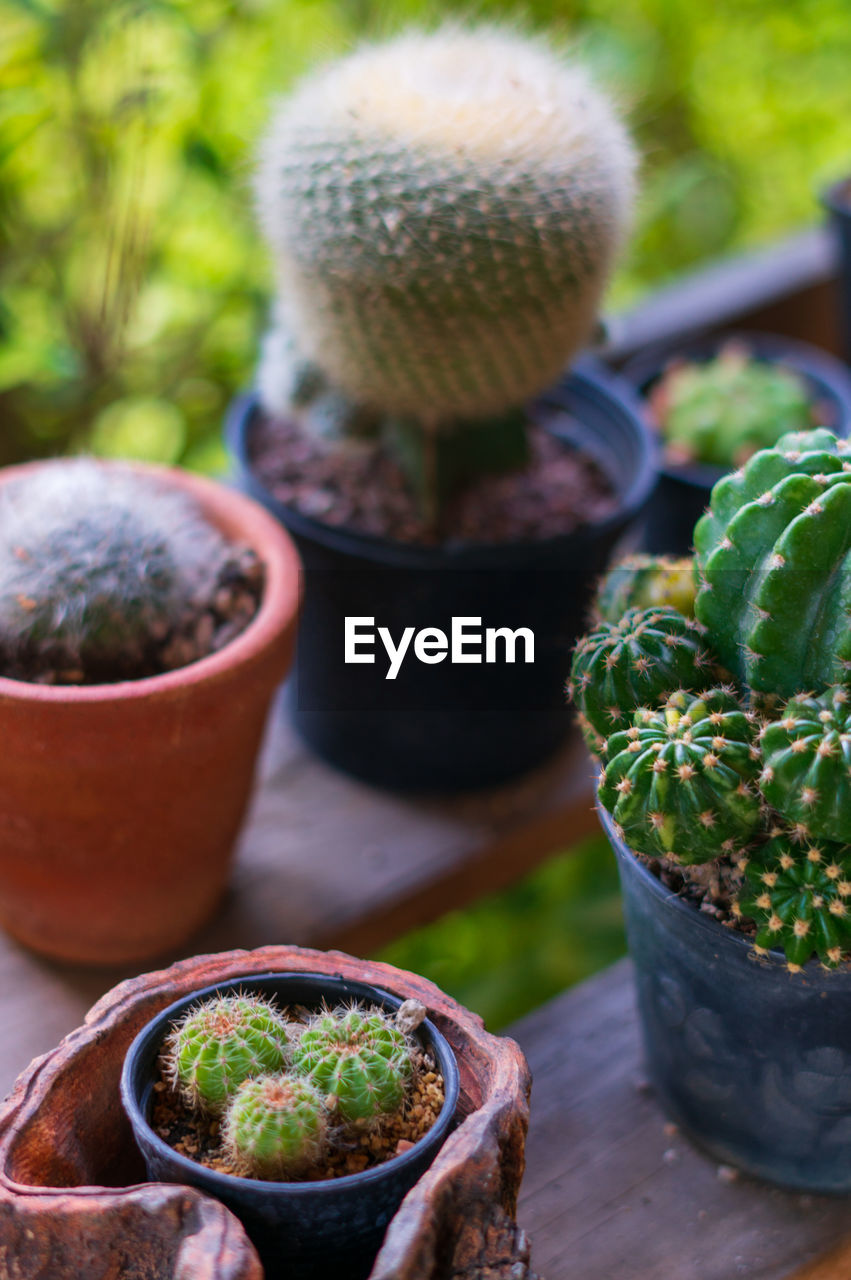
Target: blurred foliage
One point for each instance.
(132, 284)
(513, 950)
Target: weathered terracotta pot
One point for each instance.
(120, 804)
(67, 1156)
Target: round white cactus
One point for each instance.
(444, 210)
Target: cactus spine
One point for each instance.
(807, 773)
(358, 1057)
(773, 552)
(221, 1043)
(443, 210)
(276, 1126)
(799, 895)
(95, 562)
(681, 782)
(637, 662)
(646, 582)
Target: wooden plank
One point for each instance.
(326, 861)
(611, 1190)
(789, 288)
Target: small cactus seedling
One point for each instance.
(360, 1057)
(722, 410)
(221, 1043)
(636, 662)
(96, 562)
(276, 1126)
(807, 773)
(681, 782)
(774, 553)
(444, 210)
(799, 895)
(646, 582)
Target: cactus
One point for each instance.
(722, 410)
(636, 662)
(798, 894)
(276, 1126)
(807, 773)
(444, 210)
(359, 1057)
(681, 782)
(221, 1043)
(772, 552)
(646, 582)
(96, 562)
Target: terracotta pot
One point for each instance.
(120, 804)
(68, 1160)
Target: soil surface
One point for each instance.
(361, 487)
(710, 888)
(198, 1135)
(206, 626)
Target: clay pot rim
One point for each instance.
(215, 1177)
(278, 606)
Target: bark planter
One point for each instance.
(304, 1230)
(120, 803)
(455, 726)
(750, 1060)
(683, 491)
(837, 202)
(73, 1201)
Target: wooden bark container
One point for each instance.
(71, 1203)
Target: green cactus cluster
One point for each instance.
(287, 1092)
(722, 410)
(681, 783)
(443, 210)
(799, 895)
(752, 777)
(644, 581)
(96, 561)
(636, 662)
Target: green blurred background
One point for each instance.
(133, 287)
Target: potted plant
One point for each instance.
(73, 1182)
(443, 211)
(717, 399)
(146, 618)
(308, 1104)
(724, 760)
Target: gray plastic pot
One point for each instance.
(753, 1062)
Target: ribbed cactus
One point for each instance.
(359, 1057)
(443, 210)
(96, 563)
(221, 1043)
(773, 552)
(645, 581)
(799, 895)
(634, 663)
(276, 1126)
(681, 782)
(807, 772)
(722, 410)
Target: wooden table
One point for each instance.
(611, 1192)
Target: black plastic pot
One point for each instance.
(301, 1230)
(683, 491)
(837, 201)
(455, 726)
(753, 1062)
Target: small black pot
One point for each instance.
(455, 726)
(683, 492)
(302, 1230)
(752, 1061)
(837, 201)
